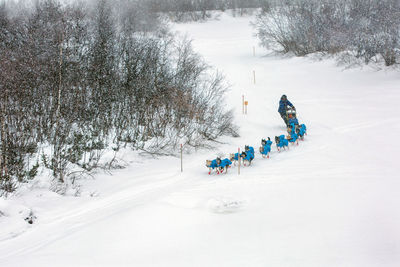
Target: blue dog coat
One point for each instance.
(303, 130)
(213, 164)
(293, 137)
(267, 147)
(225, 163)
(293, 128)
(249, 154)
(250, 150)
(283, 141)
(266, 150)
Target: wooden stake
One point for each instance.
(254, 76)
(254, 51)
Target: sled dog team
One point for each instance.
(295, 132)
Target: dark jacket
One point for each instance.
(283, 104)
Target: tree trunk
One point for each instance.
(57, 143)
(3, 156)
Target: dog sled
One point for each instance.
(295, 133)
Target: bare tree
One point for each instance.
(369, 28)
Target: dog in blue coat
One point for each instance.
(301, 131)
(247, 155)
(211, 165)
(293, 136)
(291, 129)
(265, 148)
(281, 142)
(249, 149)
(234, 157)
(223, 165)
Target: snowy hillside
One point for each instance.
(332, 201)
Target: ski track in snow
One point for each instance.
(331, 201)
(80, 218)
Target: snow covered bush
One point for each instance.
(77, 82)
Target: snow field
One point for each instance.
(331, 201)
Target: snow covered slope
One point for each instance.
(332, 201)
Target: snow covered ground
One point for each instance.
(332, 201)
